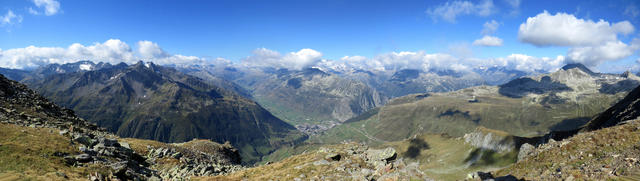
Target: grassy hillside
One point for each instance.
(442, 157)
(28, 153)
(453, 114)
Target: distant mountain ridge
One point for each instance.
(148, 101)
(311, 91)
(528, 106)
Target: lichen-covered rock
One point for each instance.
(387, 154)
(193, 159)
(357, 162)
(525, 150)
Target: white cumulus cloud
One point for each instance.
(150, 50)
(526, 63)
(450, 10)
(51, 7)
(487, 40)
(594, 55)
(564, 29)
(590, 42)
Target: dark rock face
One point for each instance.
(579, 66)
(405, 74)
(313, 71)
(295, 83)
(621, 86)
(523, 86)
(627, 109)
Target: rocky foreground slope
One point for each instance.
(606, 148)
(346, 161)
(41, 141)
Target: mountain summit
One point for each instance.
(580, 67)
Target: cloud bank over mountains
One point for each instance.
(263, 57)
(111, 51)
(589, 42)
(116, 51)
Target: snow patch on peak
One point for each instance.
(85, 67)
(59, 70)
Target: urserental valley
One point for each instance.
(319, 90)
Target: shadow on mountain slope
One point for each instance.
(622, 86)
(520, 87)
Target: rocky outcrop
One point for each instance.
(491, 140)
(346, 161)
(379, 164)
(190, 163)
(22, 106)
(97, 149)
(525, 151)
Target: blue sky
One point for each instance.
(233, 29)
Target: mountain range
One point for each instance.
(317, 98)
(527, 106)
(512, 128)
(41, 141)
(147, 101)
(604, 147)
(306, 98)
